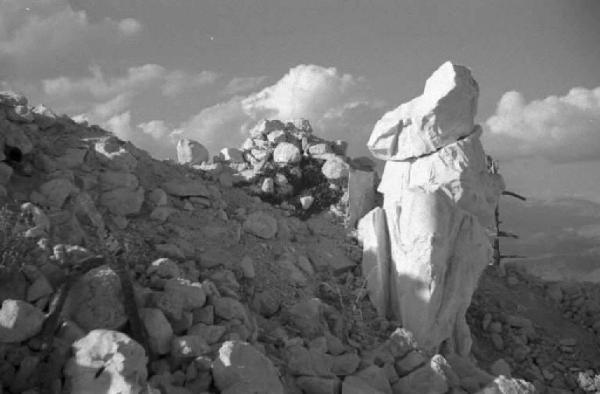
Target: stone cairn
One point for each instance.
(425, 250)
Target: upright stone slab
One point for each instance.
(372, 232)
(361, 195)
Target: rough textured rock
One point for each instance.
(430, 378)
(191, 152)
(106, 361)
(504, 385)
(261, 224)
(240, 368)
(361, 195)
(95, 301)
(159, 330)
(123, 201)
(186, 189)
(286, 153)
(19, 321)
(56, 191)
(439, 192)
(335, 168)
(441, 115)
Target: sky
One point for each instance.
(153, 71)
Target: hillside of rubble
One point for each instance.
(238, 273)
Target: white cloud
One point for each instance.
(40, 37)
(558, 129)
(239, 85)
(151, 136)
(322, 95)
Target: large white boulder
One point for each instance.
(191, 152)
(441, 115)
(106, 361)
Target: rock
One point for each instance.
(504, 385)
(158, 197)
(268, 186)
(345, 364)
(441, 115)
(40, 288)
(123, 201)
(95, 301)
(232, 155)
(261, 224)
(327, 256)
(372, 233)
(277, 136)
(409, 363)
(247, 267)
(307, 317)
(19, 321)
(44, 116)
(286, 153)
(239, 368)
(159, 330)
(318, 385)
(41, 221)
(335, 168)
(500, 367)
(72, 158)
(361, 195)
(210, 333)
(11, 98)
(355, 385)
(191, 293)
(430, 378)
(189, 188)
(306, 202)
(110, 180)
(164, 268)
(6, 172)
(188, 347)
(265, 127)
(191, 152)
(376, 378)
(229, 308)
(170, 250)
(15, 138)
(56, 191)
(106, 361)
(497, 341)
(111, 151)
(161, 214)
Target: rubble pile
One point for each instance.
(286, 164)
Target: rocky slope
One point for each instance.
(235, 294)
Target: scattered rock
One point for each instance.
(261, 224)
(19, 321)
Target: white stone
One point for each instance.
(268, 186)
(335, 168)
(372, 233)
(19, 321)
(306, 201)
(191, 152)
(240, 368)
(287, 153)
(438, 253)
(441, 115)
(107, 361)
(232, 155)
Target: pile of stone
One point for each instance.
(286, 163)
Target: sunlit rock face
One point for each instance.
(439, 196)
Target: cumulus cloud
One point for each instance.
(324, 96)
(150, 136)
(40, 37)
(178, 82)
(559, 129)
(239, 85)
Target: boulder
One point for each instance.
(57, 190)
(240, 368)
(232, 155)
(287, 153)
(361, 195)
(112, 152)
(191, 152)
(443, 114)
(96, 300)
(110, 180)
(106, 361)
(335, 168)
(19, 321)
(191, 293)
(187, 188)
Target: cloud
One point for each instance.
(322, 95)
(41, 37)
(151, 136)
(178, 82)
(559, 129)
(239, 85)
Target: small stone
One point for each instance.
(247, 267)
(345, 364)
(500, 367)
(306, 202)
(261, 224)
(409, 363)
(19, 321)
(188, 347)
(497, 341)
(335, 168)
(210, 333)
(402, 342)
(158, 197)
(229, 308)
(286, 153)
(268, 186)
(191, 293)
(164, 268)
